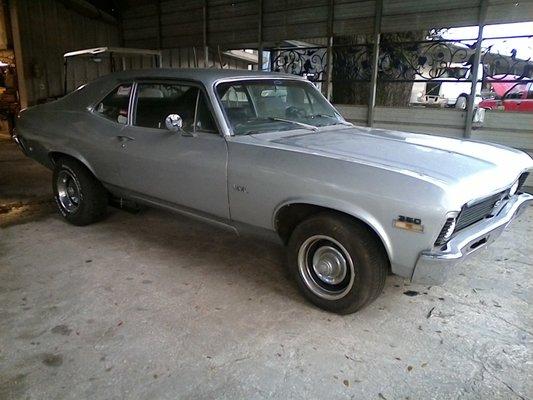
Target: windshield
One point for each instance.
(258, 106)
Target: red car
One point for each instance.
(513, 96)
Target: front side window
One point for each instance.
(156, 101)
(115, 105)
(204, 118)
(258, 106)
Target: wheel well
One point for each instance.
(289, 216)
(55, 156)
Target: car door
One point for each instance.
(514, 98)
(98, 133)
(186, 168)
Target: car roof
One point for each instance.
(207, 76)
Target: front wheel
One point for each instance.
(338, 262)
(80, 197)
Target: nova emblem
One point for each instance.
(240, 188)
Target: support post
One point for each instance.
(159, 28)
(260, 36)
(195, 57)
(329, 51)
(475, 69)
(65, 80)
(206, 48)
(375, 62)
(19, 61)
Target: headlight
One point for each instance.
(513, 189)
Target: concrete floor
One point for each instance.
(156, 306)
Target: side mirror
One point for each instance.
(174, 123)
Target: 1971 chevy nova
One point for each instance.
(267, 151)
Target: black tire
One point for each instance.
(351, 239)
(92, 196)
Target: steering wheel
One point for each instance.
(295, 112)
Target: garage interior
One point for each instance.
(157, 306)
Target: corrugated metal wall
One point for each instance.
(47, 30)
(185, 58)
(234, 23)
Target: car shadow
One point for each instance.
(241, 260)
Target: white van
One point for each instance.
(447, 94)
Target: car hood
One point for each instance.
(466, 166)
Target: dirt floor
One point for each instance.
(156, 306)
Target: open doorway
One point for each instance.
(9, 98)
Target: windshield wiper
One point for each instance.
(306, 126)
(337, 121)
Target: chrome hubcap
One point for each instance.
(68, 191)
(329, 264)
(326, 267)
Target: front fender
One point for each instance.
(346, 208)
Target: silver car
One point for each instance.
(267, 153)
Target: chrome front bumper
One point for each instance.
(433, 266)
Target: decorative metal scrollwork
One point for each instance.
(503, 67)
(352, 63)
(427, 60)
(309, 62)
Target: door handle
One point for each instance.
(124, 138)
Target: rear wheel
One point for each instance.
(338, 263)
(80, 197)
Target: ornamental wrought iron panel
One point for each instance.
(435, 60)
(500, 67)
(310, 62)
(352, 63)
(416, 61)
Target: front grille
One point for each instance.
(476, 212)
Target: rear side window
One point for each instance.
(115, 105)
